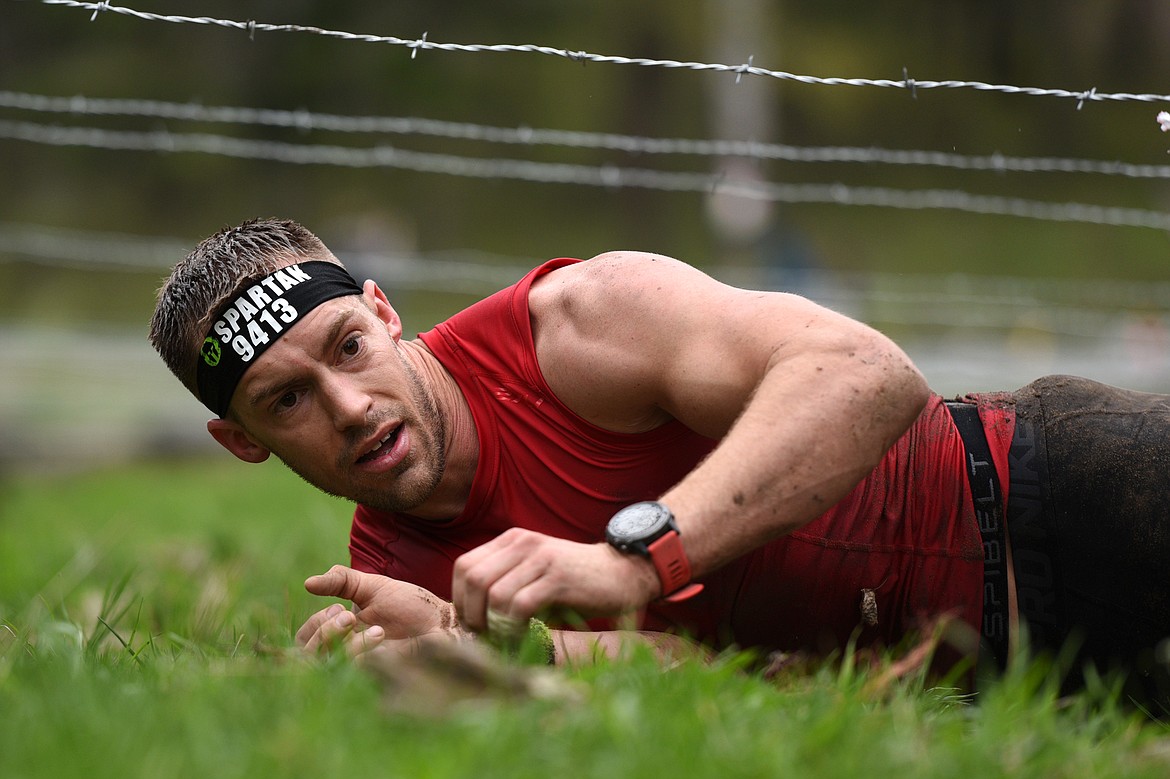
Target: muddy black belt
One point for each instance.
(987, 498)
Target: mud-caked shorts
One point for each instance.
(1089, 526)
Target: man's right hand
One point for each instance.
(397, 615)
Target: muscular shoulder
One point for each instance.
(608, 333)
(619, 277)
(641, 303)
(628, 340)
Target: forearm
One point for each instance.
(815, 426)
(582, 647)
(575, 647)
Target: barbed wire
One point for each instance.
(307, 120)
(89, 250)
(607, 176)
(1085, 308)
(104, 251)
(101, 248)
(747, 68)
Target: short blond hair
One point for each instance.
(218, 268)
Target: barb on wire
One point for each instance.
(304, 120)
(608, 176)
(415, 44)
(744, 68)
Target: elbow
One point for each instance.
(916, 392)
(899, 390)
(909, 382)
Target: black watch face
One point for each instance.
(641, 521)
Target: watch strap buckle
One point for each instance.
(674, 570)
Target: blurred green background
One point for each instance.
(980, 301)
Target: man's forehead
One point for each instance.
(315, 325)
(308, 340)
(261, 316)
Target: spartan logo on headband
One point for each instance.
(210, 351)
(256, 318)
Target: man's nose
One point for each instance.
(349, 404)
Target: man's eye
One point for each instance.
(287, 400)
(351, 346)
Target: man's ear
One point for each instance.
(377, 298)
(236, 440)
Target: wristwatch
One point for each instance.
(648, 529)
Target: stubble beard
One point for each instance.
(428, 433)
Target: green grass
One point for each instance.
(146, 616)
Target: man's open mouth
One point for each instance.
(383, 446)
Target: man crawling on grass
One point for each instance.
(627, 436)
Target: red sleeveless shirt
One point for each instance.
(908, 531)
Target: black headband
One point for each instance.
(256, 318)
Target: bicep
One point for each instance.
(734, 339)
(630, 337)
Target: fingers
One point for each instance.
(342, 582)
(331, 627)
(505, 627)
(365, 640)
(474, 574)
(521, 574)
(487, 580)
(314, 623)
(331, 631)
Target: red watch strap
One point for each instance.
(674, 570)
